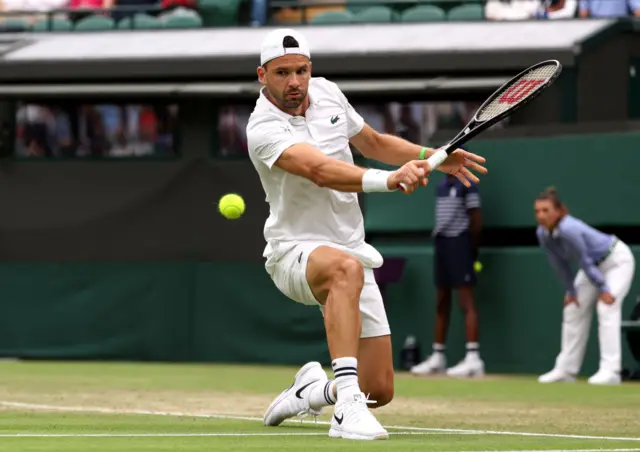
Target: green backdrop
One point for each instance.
(594, 174)
(189, 311)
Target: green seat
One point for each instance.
(219, 13)
(182, 21)
(358, 6)
(140, 22)
(332, 17)
(423, 13)
(466, 12)
(376, 14)
(95, 23)
(57, 24)
(13, 24)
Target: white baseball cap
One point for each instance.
(273, 45)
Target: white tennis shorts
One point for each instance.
(289, 274)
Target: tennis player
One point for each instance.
(299, 135)
(607, 268)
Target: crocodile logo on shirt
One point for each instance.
(335, 119)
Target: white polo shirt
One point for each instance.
(300, 211)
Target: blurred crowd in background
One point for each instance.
(100, 130)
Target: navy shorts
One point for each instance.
(453, 261)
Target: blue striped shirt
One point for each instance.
(574, 240)
(609, 8)
(452, 205)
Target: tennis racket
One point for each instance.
(511, 96)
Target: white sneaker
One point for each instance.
(556, 376)
(605, 377)
(294, 400)
(434, 364)
(352, 419)
(468, 367)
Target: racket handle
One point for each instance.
(437, 158)
(434, 161)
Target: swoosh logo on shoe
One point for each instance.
(299, 391)
(338, 420)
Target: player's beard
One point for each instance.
(293, 102)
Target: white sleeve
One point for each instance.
(268, 138)
(515, 10)
(355, 122)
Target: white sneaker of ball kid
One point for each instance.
(556, 376)
(467, 368)
(605, 377)
(352, 419)
(434, 364)
(294, 400)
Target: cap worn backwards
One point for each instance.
(273, 45)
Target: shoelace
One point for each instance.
(306, 413)
(311, 412)
(363, 402)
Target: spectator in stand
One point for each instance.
(172, 7)
(512, 9)
(78, 5)
(558, 9)
(39, 8)
(609, 8)
(134, 7)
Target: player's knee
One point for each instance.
(382, 391)
(348, 271)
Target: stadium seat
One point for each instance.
(95, 23)
(333, 17)
(140, 22)
(376, 14)
(423, 13)
(466, 12)
(216, 13)
(357, 6)
(182, 21)
(57, 24)
(15, 24)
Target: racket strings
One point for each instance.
(517, 92)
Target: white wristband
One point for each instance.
(375, 180)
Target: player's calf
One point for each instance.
(379, 388)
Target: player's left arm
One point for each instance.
(397, 151)
(386, 148)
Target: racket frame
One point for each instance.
(474, 127)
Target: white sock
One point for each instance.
(439, 348)
(321, 394)
(345, 371)
(473, 350)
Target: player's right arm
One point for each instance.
(273, 143)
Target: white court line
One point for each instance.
(557, 450)
(187, 435)
(34, 406)
(281, 434)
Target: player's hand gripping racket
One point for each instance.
(514, 94)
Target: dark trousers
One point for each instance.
(454, 261)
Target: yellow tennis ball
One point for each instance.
(231, 206)
(477, 266)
